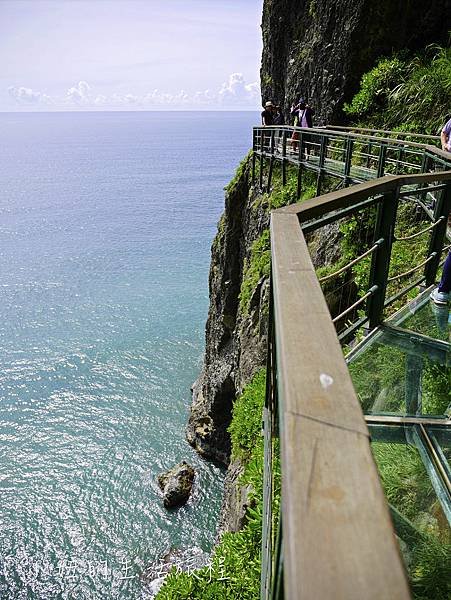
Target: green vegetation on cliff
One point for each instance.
(258, 264)
(406, 93)
(257, 267)
(400, 92)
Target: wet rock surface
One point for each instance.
(176, 484)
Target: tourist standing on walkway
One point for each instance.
(294, 112)
(304, 114)
(278, 116)
(446, 137)
(267, 121)
(440, 295)
(268, 115)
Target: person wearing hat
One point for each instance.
(268, 114)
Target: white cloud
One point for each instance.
(234, 93)
(80, 94)
(100, 100)
(24, 95)
(237, 91)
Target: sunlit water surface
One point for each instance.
(106, 220)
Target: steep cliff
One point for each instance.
(235, 334)
(320, 48)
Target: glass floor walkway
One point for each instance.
(402, 376)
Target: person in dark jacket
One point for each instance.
(278, 116)
(268, 114)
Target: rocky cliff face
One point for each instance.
(320, 48)
(235, 340)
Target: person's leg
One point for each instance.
(440, 295)
(445, 283)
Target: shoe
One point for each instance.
(441, 298)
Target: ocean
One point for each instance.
(106, 221)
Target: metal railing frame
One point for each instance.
(310, 400)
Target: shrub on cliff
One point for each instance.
(247, 417)
(407, 94)
(257, 267)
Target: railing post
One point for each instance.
(322, 156)
(398, 160)
(442, 208)
(425, 161)
(425, 168)
(271, 161)
(380, 264)
(300, 153)
(368, 158)
(299, 182)
(284, 158)
(277, 589)
(381, 161)
(348, 159)
(262, 150)
(269, 426)
(301, 146)
(254, 150)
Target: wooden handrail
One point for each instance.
(348, 196)
(338, 538)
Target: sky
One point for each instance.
(129, 54)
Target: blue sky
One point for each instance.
(129, 54)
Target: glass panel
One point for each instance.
(420, 522)
(395, 375)
(431, 320)
(441, 440)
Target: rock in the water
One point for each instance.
(176, 484)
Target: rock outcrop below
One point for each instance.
(176, 484)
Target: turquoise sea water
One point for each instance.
(106, 221)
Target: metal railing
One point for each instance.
(336, 539)
(435, 139)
